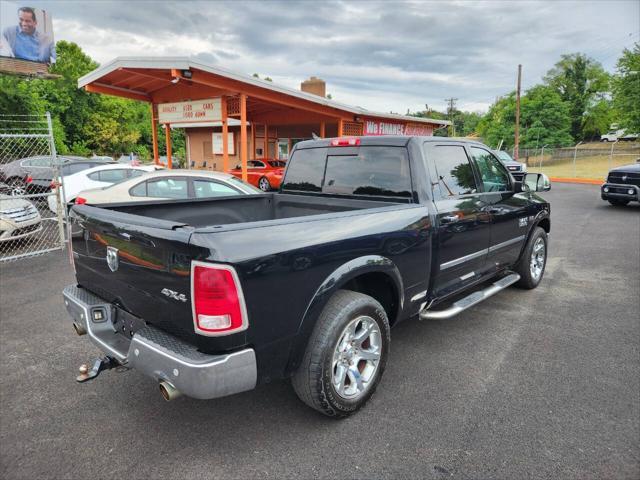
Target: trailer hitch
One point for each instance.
(99, 365)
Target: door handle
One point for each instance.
(450, 218)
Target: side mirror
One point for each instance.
(534, 182)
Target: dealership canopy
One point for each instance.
(183, 91)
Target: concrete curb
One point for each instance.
(588, 181)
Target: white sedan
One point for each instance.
(169, 185)
(96, 177)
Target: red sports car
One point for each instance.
(264, 173)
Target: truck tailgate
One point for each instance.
(140, 264)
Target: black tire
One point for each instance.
(263, 184)
(528, 280)
(617, 203)
(312, 381)
(17, 185)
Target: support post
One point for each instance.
(265, 147)
(167, 133)
(322, 130)
(225, 136)
(243, 135)
(154, 134)
(516, 148)
(340, 127)
(575, 154)
(253, 139)
(611, 154)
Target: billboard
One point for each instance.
(26, 33)
(207, 110)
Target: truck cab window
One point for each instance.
(494, 176)
(375, 171)
(306, 170)
(455, 175)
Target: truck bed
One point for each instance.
(233, 210)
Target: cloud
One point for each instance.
(380, 55)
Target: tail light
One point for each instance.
(216, 300)
(345, 142)
(29, 179)
(80, 201)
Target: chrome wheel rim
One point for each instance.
(538, 256)
(264, 184)
(356, 358)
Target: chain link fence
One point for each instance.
(587, 161)
(31, 213)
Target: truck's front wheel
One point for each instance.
(534, 260)
(346, 355)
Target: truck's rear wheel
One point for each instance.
(534, 260)
(346, 355)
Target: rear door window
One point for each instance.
(453, 169)
(207, 189)
(376, 171)
(306, 170)
(139, 190)
(168, 188)
(113, 176)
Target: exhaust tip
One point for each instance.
(80, 330)
(168, 391)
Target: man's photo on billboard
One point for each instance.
(28, 35)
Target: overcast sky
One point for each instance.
(384, 56)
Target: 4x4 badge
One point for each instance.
(112, 258)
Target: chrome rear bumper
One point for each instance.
(159, 355)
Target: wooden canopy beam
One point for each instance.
(116, 92)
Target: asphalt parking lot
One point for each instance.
(529, 384)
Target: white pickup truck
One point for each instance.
(618, 135)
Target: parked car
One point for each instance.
(19, 218)
(210, 297)
(516, 169)
(169, 184)
(40, 181)
(622, 185)
(95, 177)
(264, 173)
(618, 135)
(16, 173)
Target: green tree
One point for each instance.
(544, 118)
(579, 80)
(626, 90)
(499, 122)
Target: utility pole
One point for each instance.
(452, 106)
(516, 147)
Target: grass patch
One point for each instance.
(595, 167)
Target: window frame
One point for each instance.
(433, 169)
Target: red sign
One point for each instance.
(378, 127)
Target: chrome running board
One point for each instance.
(470, 300)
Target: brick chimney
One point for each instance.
(314, 85)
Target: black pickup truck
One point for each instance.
(211, 297)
